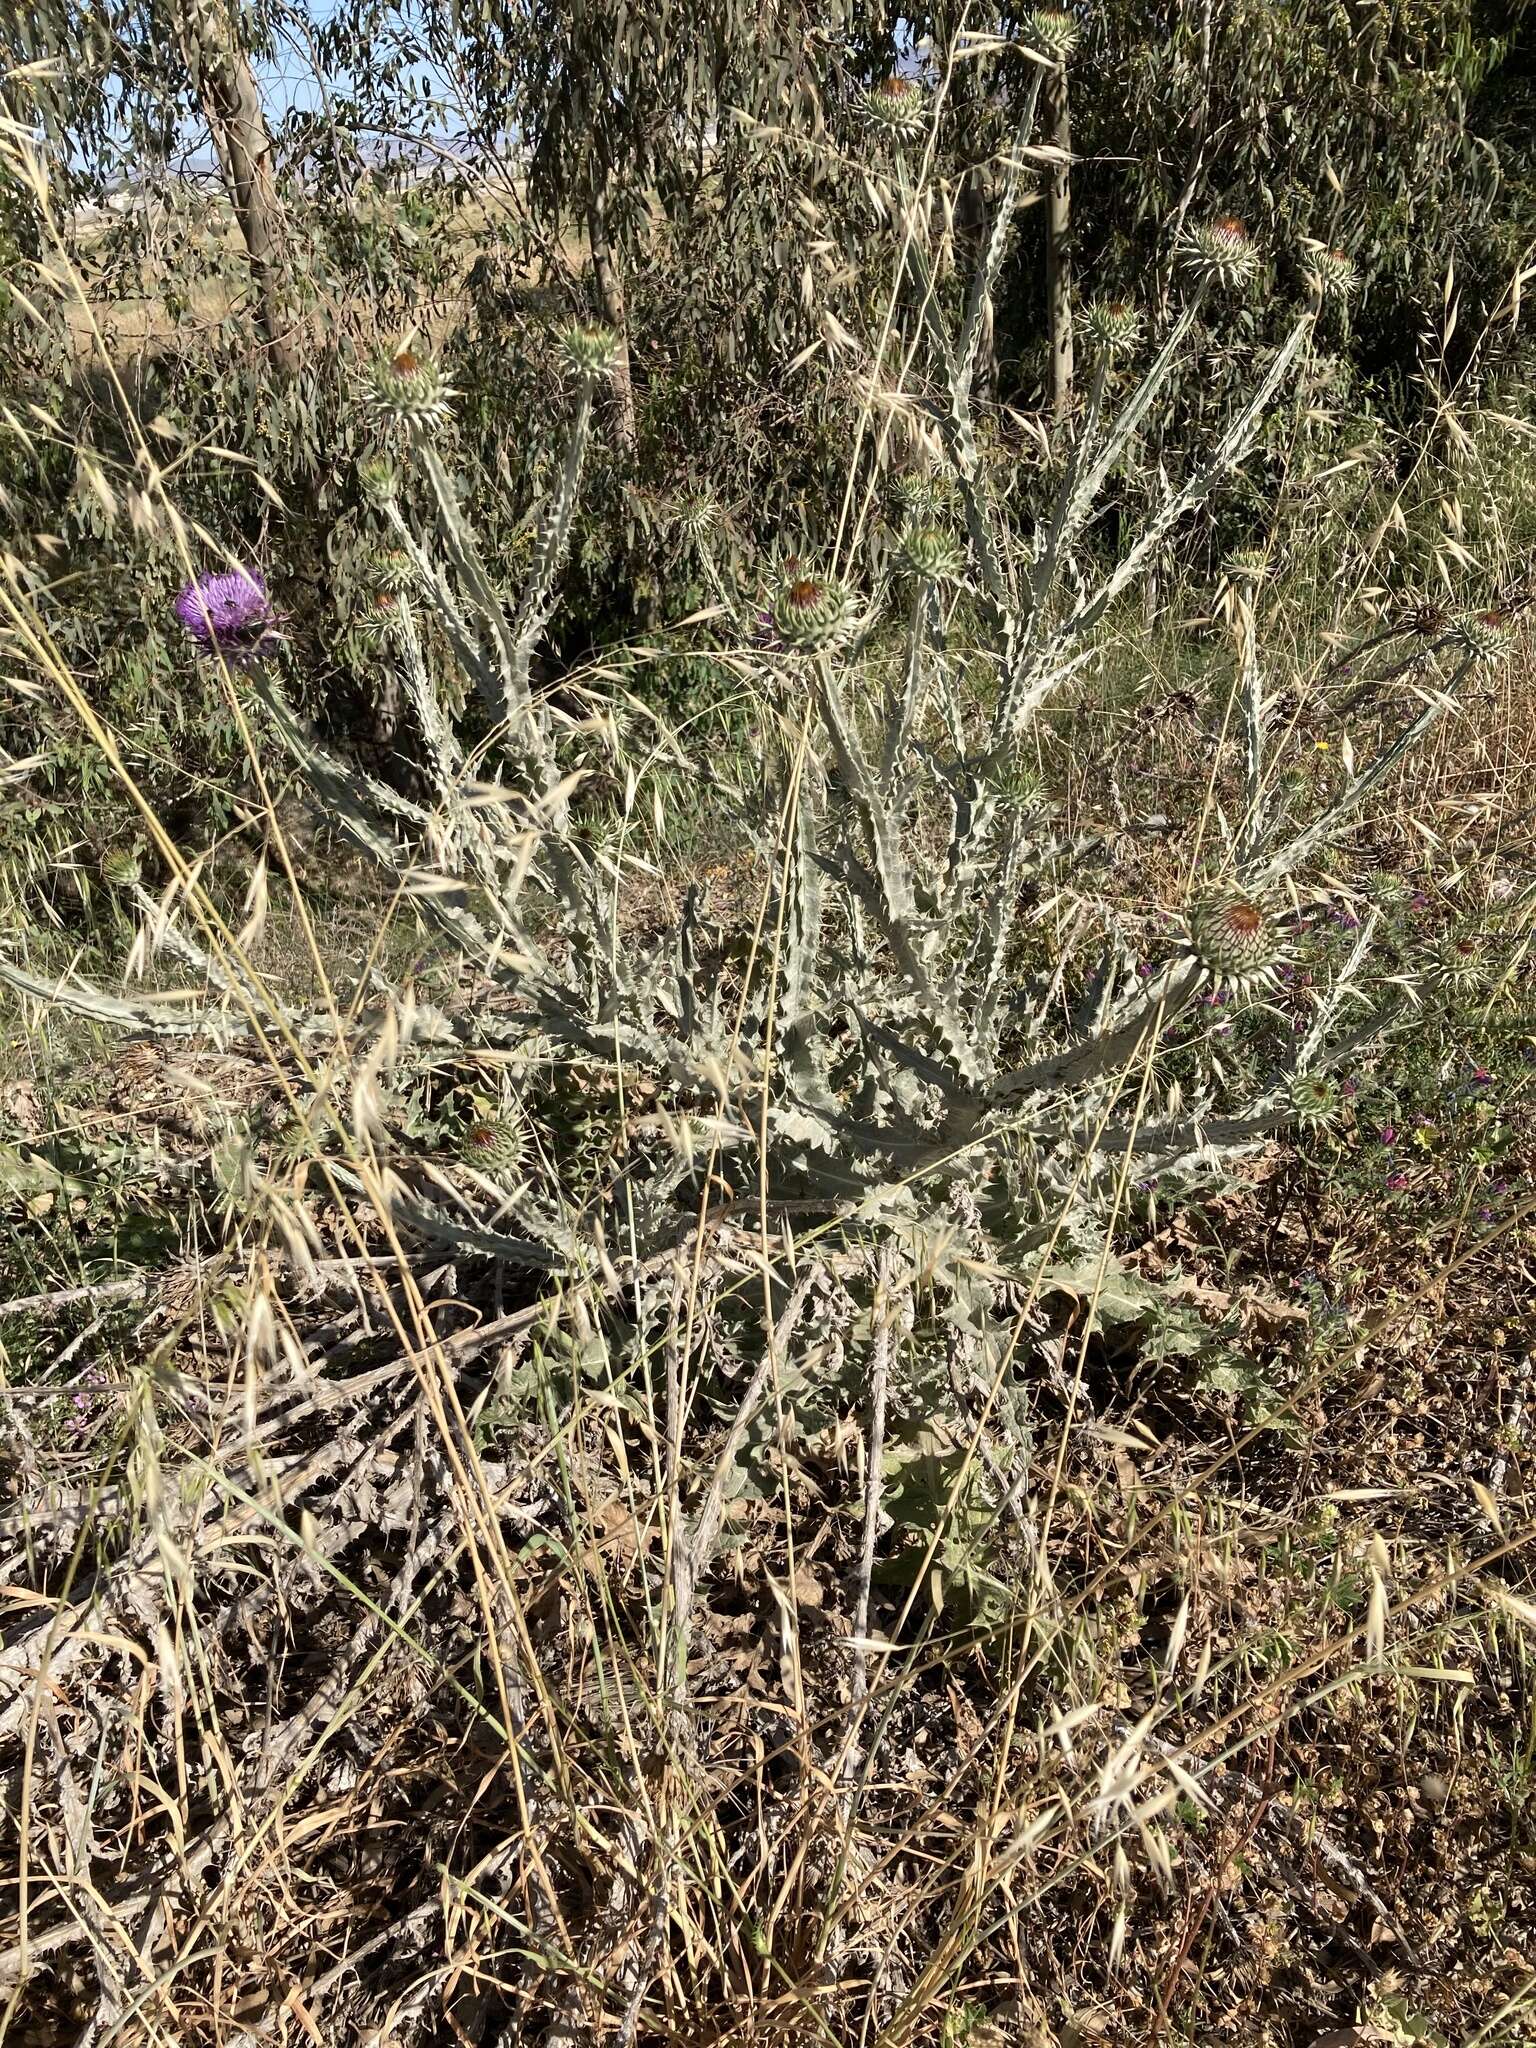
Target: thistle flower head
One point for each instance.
(495, 1145)
(1334, 275)
(1114, 327)
(121, 867)
(1220, 252)
(1053, 31)
(1235, 935)
(409, 389)
(931, 551)
(1314, 1100)
(1486, 636)
(589, 351)
(811, 612)
(898, 105)
(229, 613)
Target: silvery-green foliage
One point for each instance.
(893, 1041)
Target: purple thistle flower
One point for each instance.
(229, 612)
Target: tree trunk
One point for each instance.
(611, 290)
(226, 89)
(1058, 262)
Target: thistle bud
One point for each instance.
(1486, 636)
(811, 613)
(1334, 275)
(589, 351)
(393, 573)
(1053, 31)
(930, 551)
(899, 105)
(495, 1146)
(1314, 1100)
(1114, 327)
(121, 867)
(1220, 252)
(378, 479)
(408, 388)
(1245, 568)
(1427, 621)
(698, 516)
(1458, 964)
(1234, 935)
(919, 497)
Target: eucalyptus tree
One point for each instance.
(628, 122)
(120, 86)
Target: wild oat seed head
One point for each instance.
(409, 389)
(1235, 935)
(811, 613)
(1221, 252)
(898, 105)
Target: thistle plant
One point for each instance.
(929, 1074)
(914, 1030)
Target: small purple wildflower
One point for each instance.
(1346, 919)
(229, 612)
(1350, 1086)
(1418, 900)
(1389, 1134)
(1396, 1182)
(1481, 1078)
